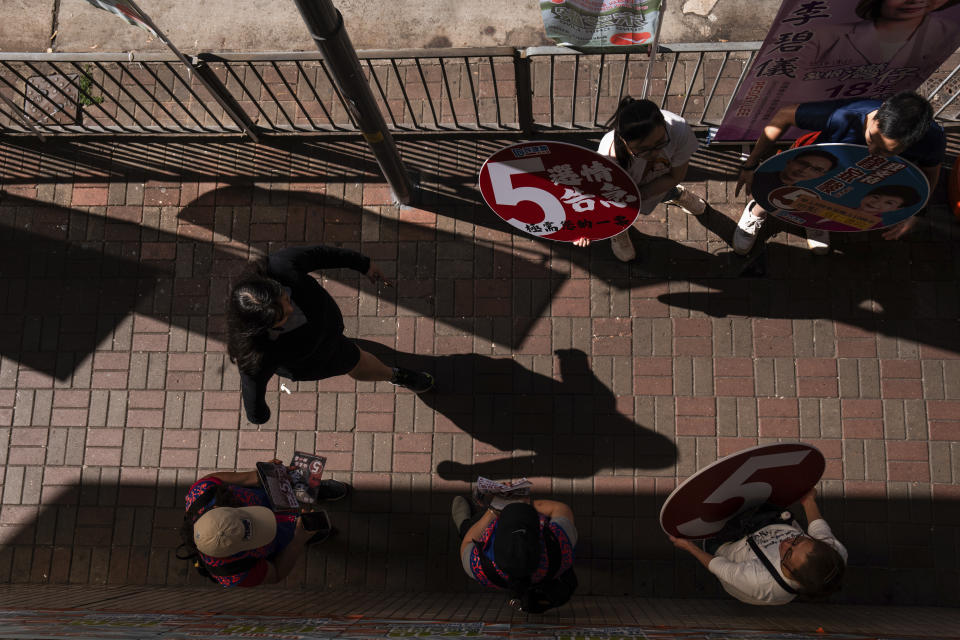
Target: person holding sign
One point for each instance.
(654, 147)
(280, 320)
(766, 559)
(901, 125)
(236, 539)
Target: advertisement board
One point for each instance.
(602, 25)
(778, 473)
(834, 49)
(839, 187)
(559, 191)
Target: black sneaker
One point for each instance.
(330, 490)
(416, 381)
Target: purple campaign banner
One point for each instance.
(836, 49)
(839, 187)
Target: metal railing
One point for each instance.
(419, 91)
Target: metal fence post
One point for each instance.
(524, 89)
(224, 98)
(326, 28)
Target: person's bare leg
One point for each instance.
(369, 368)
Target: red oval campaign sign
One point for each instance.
(559, 191)
(778, 473)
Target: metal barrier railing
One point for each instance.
(419, 91)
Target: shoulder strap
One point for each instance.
(770, 568)
(203, 500)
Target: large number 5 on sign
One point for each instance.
(777, 473)
(501, 180)
(753, 493)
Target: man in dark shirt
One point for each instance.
(280, 320)
(901, 125)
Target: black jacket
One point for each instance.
(301, 353)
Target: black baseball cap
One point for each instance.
(516, 545)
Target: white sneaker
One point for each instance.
(623, 247)
(818, 241)
(689, 202)
(745, 235)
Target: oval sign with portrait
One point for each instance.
(778, 473)
(839, 187)
(559, 191)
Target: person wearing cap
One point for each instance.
(238, 538)
(515, 543)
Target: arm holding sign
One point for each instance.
(666, 182)
(897, 231)
(690, 547)
(781, 122)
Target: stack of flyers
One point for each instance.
(498, 494)
(275, 482)
(305, 471)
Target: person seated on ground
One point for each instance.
(240, 541)
(901, 125)
(654, 147)
(280, 320)
(810, 564)
(528, 543)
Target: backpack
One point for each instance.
(553, 591)
(188, 551)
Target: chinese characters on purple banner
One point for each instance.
(559, 191)
(834, 49)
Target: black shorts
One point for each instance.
(339, 360)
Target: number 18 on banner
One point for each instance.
(559, 191)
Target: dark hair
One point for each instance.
(252, 309)
(633, 120)
(818, 153)
(905, 117)
(870, 9)
(909, 195)
(821, 572)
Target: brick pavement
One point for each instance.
(605, 383)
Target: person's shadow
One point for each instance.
(533, 425)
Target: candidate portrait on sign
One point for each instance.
(889, 41)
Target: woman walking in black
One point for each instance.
(281, 321)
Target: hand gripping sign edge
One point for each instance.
(556, 202)
(734, 478)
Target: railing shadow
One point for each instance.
(101, 530)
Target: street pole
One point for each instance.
(326, 28)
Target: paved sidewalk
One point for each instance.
(252, 25)
(603, 382)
